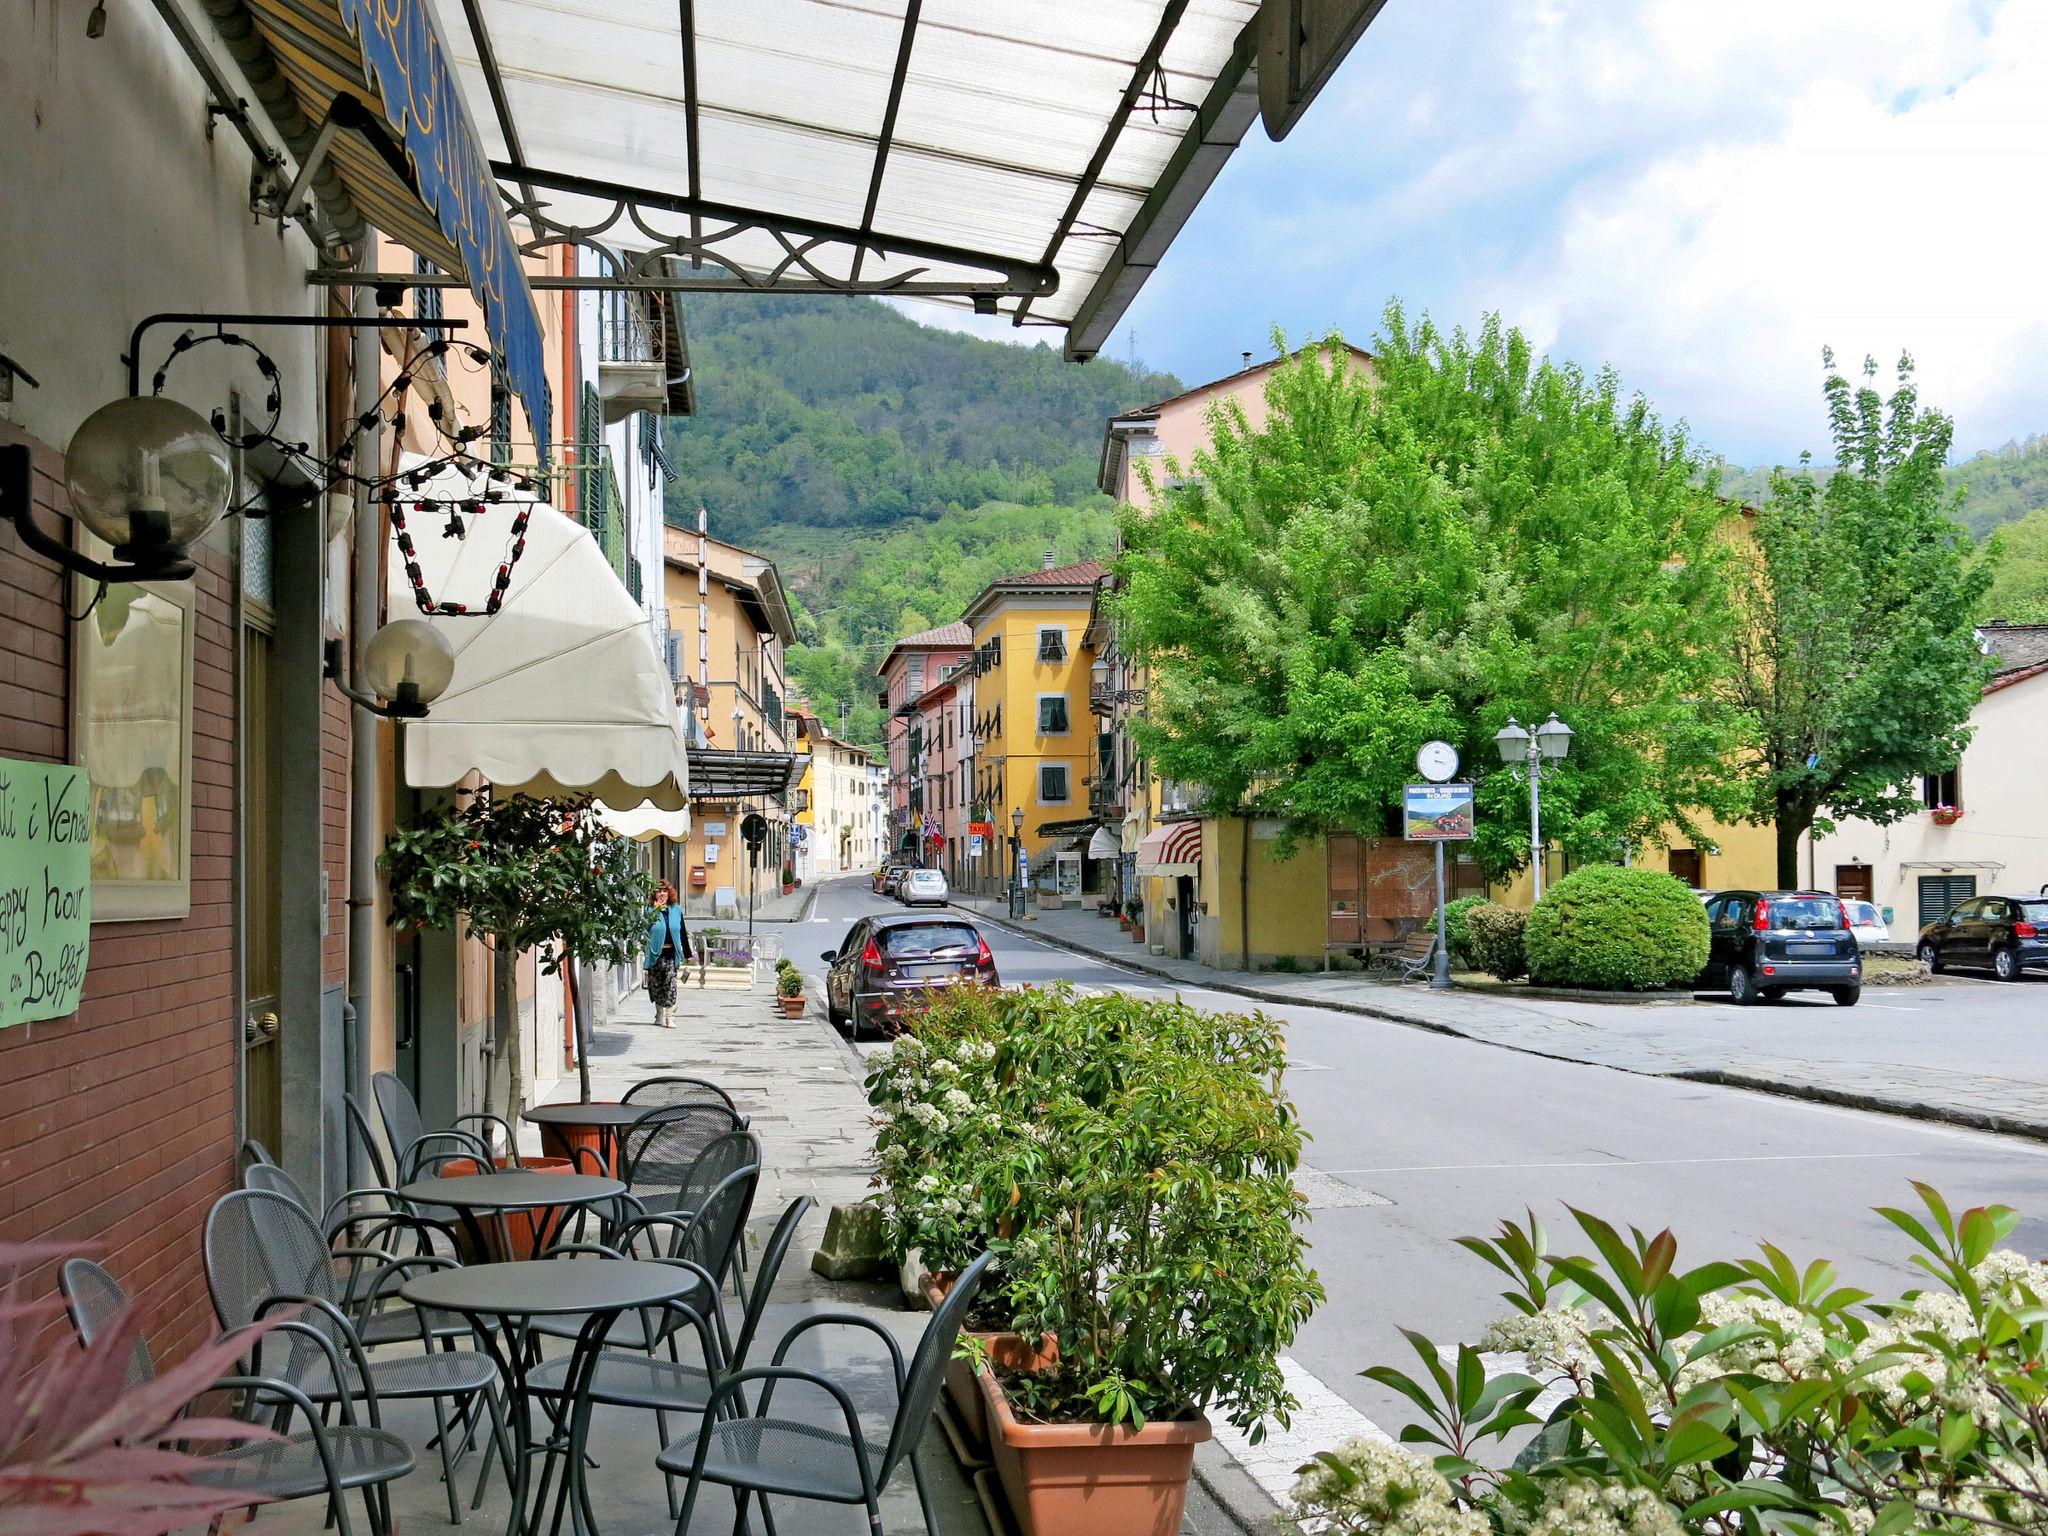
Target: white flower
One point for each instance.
(2011, 1274)
(1603, 1509)
(1374, 1488)
(956, 1102)
(1555, 1339)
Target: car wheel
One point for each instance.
(1930, 957)
(1741, 986)
(2005, 965)
(1846, 997)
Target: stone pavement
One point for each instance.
(1957, 1050)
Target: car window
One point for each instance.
(1727, 913)
(1799, 912)
(856, 939)
(1964, 910)
(1862, 912)
(2032, 911)
(928, 939)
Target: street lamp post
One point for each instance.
(1016, 856)
(1552, 740)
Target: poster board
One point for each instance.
(1437, 813)
(46, 834)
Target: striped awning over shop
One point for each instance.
(1174, 849)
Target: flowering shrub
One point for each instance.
(1731, 1399)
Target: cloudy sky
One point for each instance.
(1701, 192)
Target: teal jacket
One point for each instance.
(666, 923)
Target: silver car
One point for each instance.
(923, 888)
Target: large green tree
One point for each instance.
(2015, 558)
(1464, 532)
(1856, 655)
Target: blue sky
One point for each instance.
(1701, 192)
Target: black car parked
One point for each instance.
(1768, 943)
(888, 965)
(2006, 934)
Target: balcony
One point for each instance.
(641, 362)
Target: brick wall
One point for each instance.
(117, 1124)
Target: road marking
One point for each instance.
(1638, 1162)
(1323, 1421)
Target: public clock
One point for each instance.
(1437, 761)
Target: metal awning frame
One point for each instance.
(723, 775)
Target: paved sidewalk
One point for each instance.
(1958, 1050)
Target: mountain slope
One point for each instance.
(1999, 485)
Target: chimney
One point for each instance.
(1247, 358)
(1052, 558)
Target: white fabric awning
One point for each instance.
(1105, 844)
(646, 822)
(561, 691)
(1174, 849)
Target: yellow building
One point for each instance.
(1034, 737)
(730, 622)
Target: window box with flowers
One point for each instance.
(1945, 815)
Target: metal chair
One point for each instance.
(253, 1152)
(364, 1139)
(671, 1165)
(756, 1454)
(660, 1092)
(263, 1250)
(417, 1149)
(326, 1460)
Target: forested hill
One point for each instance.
(821, 412)
(891, 469)
(2000, 485)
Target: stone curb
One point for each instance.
(1909, 1109)
(1225, 1480)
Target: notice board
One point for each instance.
(45, 889)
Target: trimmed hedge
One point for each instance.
(1493, 938)
(1617, 930)
(1454, 926)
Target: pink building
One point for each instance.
(914, 664)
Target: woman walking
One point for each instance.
(668, 945)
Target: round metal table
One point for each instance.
(505, 1296)
(609, 1120)
(513, 1189)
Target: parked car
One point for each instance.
(1866, 921)
(886, 878)
(1768, 943)
(923, 888)
(890, 964)
(2007, 935)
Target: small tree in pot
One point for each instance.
(526, 874)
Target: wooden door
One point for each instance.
(1685, 865)
(262, 1076)
(1852, 882)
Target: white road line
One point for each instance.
(1323, 1421)
(1635, 1162)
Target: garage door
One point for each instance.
(1939, 893)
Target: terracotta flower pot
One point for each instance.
(563, 1141)
(1006, 1351)
(1137, 933)
(1124, 923)
(792, 1007)
(519, 1225)
(1091, 1479)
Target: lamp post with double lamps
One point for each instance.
(1549, 741)
(1016, 862)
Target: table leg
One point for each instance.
(511, 1364)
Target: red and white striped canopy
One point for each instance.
(1174, 849)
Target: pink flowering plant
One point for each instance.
(85, 1452)
(1747, 1398)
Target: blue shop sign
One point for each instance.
(406, 60)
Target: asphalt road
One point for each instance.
(1425, 1137)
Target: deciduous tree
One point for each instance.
(1856, 653)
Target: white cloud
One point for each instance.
(1890, 207)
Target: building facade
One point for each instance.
(913, 664)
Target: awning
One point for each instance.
(1072, 825)
(717, 774)
(561, 691)
(1105, 844)
(373, 79)
(1132, 835)
(1173, 849)
(1032, 160)
(645, 822)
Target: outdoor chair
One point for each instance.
(755, 1453)
(323, 1461)
(254, 1152)
(627, 1377)
(660, 1092)
(263, 1250)
(418, 1151)
(668, 1170)
(363, 1139)
(378, 1319)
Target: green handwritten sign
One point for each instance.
(45, 889)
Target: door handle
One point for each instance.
(258, 1027)
(408, 998)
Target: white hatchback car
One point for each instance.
(1867, 922)
(923, 888)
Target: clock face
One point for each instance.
(1437, 761)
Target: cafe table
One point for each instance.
(498, 1195)
(500, 1299)
(608, 1121)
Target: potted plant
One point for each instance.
(789, 991)
(1159, 1249)
(1946, 815)
(788, 878)
(1134, 910)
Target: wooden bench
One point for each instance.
(1411, 956)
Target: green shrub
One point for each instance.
(1455, 913)
(1493, 940)
(1618, 930)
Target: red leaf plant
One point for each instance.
(82, 1452)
